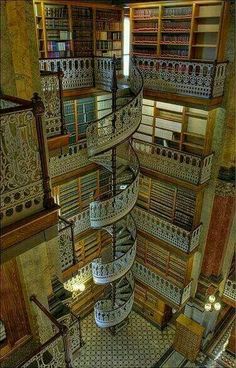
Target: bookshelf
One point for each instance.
(108, 27)
(78, 114)
(40, 29)
(148, 303)
(163, 262)
(73, 29)
(182, 31)
(58, 34)
(82, 31)
(176, 126)
(76, 195)
(168, 201)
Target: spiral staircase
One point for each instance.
(108, 142)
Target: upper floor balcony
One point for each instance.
(25, 192)
(193, 80)
(179, 238)
(178, 164)
(176, 295)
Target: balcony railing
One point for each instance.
(77, 72)
(230, 289)
(178, 237)
(188, 167)
(170, 291)
(56, 351)
(51, 83)
(82, 72)
(25, 188)
(188, 78)
(74, 159)
(66, 243)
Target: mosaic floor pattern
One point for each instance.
(137, 345)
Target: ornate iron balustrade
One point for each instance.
(25, 188)
(106, 315)
(103, 213)
(77, 72)
(81, 221)
(74, 159)
(51, 83)
(66, 243)
(106, 272)
(230, 289)
(81, 72)
(55, 351)
(190, 78)
(180, 238)
(170, 291)
(188, 167)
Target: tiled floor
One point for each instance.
(137, 345)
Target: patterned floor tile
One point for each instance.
(137, 345)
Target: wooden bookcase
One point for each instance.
(75, 29)
(163, 262)
(108, 32)
(168, 201)
(183, 128)
(80, 112)
(148, 303)
(179, 30)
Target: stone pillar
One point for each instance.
(19, 55)
(34, 267)
(223, 203)
(219, 230)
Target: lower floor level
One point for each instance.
(140, 344)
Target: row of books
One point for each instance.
(58, 35)
(146, 13)
(56, 12)
(176, 38)
(83, 36)
(108, 15)
(83, 25)
(145, 38)
(79, 12)
(178, 11)
(145, 26)
(174, 52)
(108, 36)
(58, 46)
(108, 45)
(109, 53)
(169, 25)
(58, 54)
(108, 26)
(83, 45)
(57, 24)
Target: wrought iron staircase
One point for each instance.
(108, 144)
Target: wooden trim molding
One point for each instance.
(28, 227)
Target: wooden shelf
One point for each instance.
(176, 31)
(174, 43)
(204, 45)
(177, 18)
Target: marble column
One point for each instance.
(223, 204)
(219, 230)
(19, 55)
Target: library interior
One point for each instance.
(118, 192)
